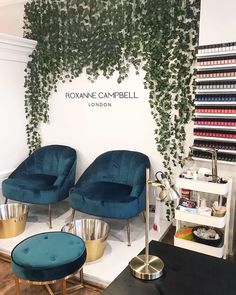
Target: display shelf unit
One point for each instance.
(215, 93)
(218, 190)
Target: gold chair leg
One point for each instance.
(73, 215)
(6, 200)
(144, 216)
(50, 215)
(128, 232)
(17, 283)
(64, 292)
(81, 277)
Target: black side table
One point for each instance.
(186, 273)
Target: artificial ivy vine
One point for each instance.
(104, 36)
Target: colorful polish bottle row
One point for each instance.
(225, 74)
(214, 123)
(218, 110)
(214, 48)
(216, 61)
(215, 133)
(220, 156)
(216, 85)
(216, 98)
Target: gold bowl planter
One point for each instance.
(12, 219)
(94, 232)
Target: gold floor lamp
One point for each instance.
(150, 267)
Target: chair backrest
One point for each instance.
(119, 166)
(51, 159)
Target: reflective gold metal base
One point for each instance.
(48, 283)
(13, 219)
(151, 271)
(94, 232)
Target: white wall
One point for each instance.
(14, 53)
(127, 124)
(11, 19)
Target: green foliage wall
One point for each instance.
(104, 36)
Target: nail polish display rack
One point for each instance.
(215, 102)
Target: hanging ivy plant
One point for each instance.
(104, 36)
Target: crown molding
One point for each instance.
(11, 2)
(13, 48)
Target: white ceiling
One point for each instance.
(10, 2)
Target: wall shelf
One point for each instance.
(215, 127)
(215, 138)
(211, 103)
(215, 115)
(216, 67)
(216, 54)
(215, 91)
(215, 79)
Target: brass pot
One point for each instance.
(12, 219)
(94, 232)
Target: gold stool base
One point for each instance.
(151, 271)
(47, 284)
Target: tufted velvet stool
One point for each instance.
(48, 257)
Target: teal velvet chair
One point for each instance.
(113, 186)
(45, 177)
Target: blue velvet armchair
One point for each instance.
(45, 177)
(113, 186)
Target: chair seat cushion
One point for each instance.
(105, 199)
(34, 189)
(48, 256)
(33, 181)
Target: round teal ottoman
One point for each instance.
(48, 257)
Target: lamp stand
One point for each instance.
(147, 267)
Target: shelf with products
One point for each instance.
(221, 191)
(223, 147)
(215, 122)
(221, 156)
(215, 98)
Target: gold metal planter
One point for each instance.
(13, 219)
(94, 232)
